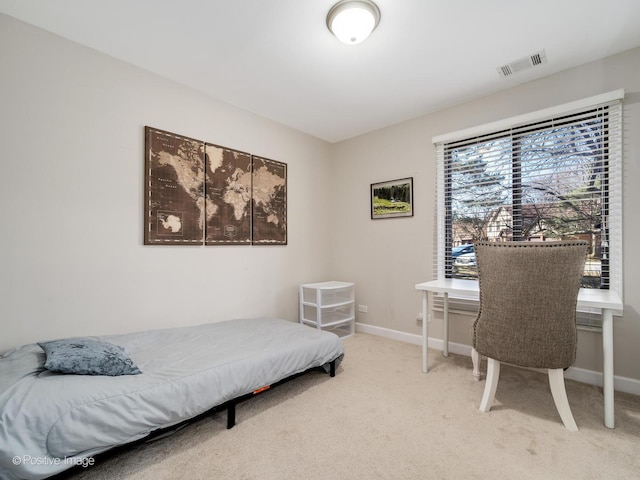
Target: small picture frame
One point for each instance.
(392, 199)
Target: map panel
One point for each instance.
(269, 201)
(197, 193)
(174, 189)
(227, 196)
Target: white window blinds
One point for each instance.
(550, 175)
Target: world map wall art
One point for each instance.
(198, 193)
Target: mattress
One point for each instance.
(50, 422)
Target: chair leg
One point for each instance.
(493, 374)
(556, 382)
(475, 359)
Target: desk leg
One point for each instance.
(425, 331)
(445, 347)
(607, 353)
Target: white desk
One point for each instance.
(606, 300)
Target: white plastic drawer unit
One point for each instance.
(329, 306)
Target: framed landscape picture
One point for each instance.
(392, 199)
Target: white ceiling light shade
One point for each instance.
(352, 21)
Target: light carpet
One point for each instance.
(380, 417)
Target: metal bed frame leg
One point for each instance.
(231, 405)
(231, 415)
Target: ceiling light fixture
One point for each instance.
(352, 21)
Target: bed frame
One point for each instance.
(231, 404)
(220, 364)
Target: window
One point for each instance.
(550, 175)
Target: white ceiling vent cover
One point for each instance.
(521, 64)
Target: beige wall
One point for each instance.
(72, 260)
(386, 258)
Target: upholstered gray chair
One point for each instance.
(527, 317)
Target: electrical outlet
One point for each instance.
(363, 308)
(419, 317)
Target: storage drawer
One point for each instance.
(328, 294)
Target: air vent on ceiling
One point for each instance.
(521, 64)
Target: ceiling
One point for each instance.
(276, 58)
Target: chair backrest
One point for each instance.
(528, 297)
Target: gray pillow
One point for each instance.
(87, 356)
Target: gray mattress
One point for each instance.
(49, 422)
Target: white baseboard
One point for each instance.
(621, 384)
